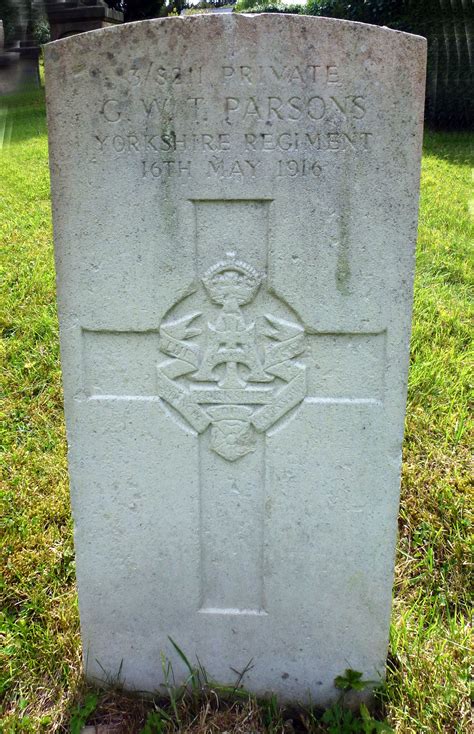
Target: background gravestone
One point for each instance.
(235, 207)
(67, 17)
(19, 68)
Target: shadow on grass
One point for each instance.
(454, 147)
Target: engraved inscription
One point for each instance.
(159, 75)
(235, 373)
(279, 121)
(293, 109)
(309, 74)
(215, 143)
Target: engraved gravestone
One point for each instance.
(235, 207)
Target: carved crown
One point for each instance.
(232, 279)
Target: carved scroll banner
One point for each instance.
(235, 204)
(234, 363)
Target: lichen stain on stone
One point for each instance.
(343, 269)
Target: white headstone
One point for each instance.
(235, 208)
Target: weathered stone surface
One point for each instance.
(235, 206)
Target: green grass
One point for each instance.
(427, 684)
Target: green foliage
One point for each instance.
(396, 13)
(265, 7)
(140, 9)
(81, 713)
(25, 17)
(271, 714)
(196, 675)
(154, 724)
(196, 11)
(402, 13)
(10, 15)
(340, 720)
(41, 31)
(242, 6)
(209, 4)
(145, 9)
(351, 681)
(370, 725)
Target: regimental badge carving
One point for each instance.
(234, 367)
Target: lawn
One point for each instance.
(427, 688)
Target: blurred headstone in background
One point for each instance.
(68, 17)
(19, 49)
(8, 65)
(450, 78)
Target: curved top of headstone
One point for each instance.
(273, 21)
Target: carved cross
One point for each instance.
(234, 373)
